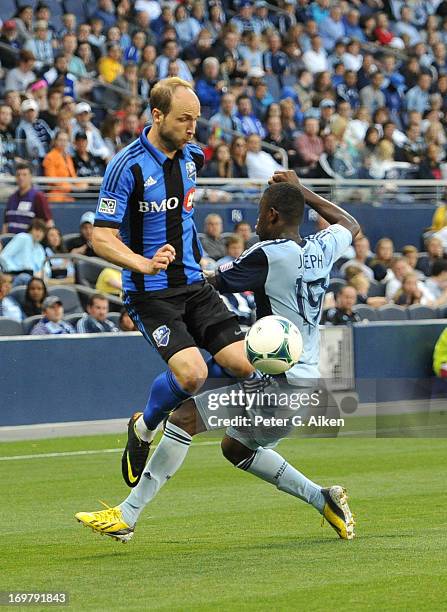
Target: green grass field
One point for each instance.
(218, 539)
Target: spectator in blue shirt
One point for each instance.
(186, 27)
(347, 90)
(418, 97)
(209, 88)
(52, 322)
(244, 20)
(134, 52)
(106, 12)
(225, 118)
(319, 10)
(332, 28)
(275, 60)
(250, 124)
(96, 321)
(9, 307)
(352, 26)
(24, 255)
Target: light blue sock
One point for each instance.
(166, 460)
(271, 467)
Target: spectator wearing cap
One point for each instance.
(24, 255)
(261, 14)
(225, 118)
(9, 38)
(19, 78)
(171, 52)
(309, 145)
(25, 204)
(52, 323)
(41, 47)
(332, 28)
(372, 95)
(85, 163)
(418, 97)
(209, 88)
(59, 163)
(250, 124)
(33, 134)
(83, 244)
(244, 21)
(315, 59)
(95, 321)
(96, 144)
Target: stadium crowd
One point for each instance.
(352, 89)
(349, 89)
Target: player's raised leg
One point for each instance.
(270, 466)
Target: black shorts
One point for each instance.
(174, 319)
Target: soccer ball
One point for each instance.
(273, 345)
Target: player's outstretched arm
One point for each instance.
(108, 246)
(328, 210)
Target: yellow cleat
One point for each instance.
(108, 522)
(337, 512)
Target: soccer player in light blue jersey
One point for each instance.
(289, 276)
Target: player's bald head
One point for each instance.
(173, 92)
(287, 200)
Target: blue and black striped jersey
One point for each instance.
(149, 198)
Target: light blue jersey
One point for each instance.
(290, 280)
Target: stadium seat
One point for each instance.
(84, 293)
(392, 312)
(74, 317)
(5, 238)
(30, 322)
(114, 317)
(69, 240)
(56, 10)
(8, 9)
(335, 284)
(68, 296)
(366, 312)
(10, 327)
(417, 311)
(78, 8)
(87, 272)
(18, 293)
(442, 312)
(376, 289)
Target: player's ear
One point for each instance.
(156, 115)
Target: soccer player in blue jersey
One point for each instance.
(144, 223)
(289, 276)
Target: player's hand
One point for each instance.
(285, 176)
(160, 261)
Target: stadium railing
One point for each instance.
(400, 191)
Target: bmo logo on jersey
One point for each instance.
(167, 204)
(156, 207)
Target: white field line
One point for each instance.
(85, 452)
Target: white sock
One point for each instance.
(270, 466)
(166, 460)
(143, 432)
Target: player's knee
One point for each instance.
(234, 451)
(185, 417)
(243, 369)
(192, 380)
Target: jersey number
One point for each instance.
(309, 297)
